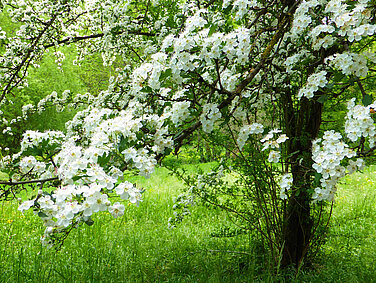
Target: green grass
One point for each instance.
(349, 253)
(139, 247)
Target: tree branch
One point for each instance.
(364, 94)
(28, 55)
(92, 36)
(11, 183)
(241, 86)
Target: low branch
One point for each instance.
(11, 183)
(367, 153)
(28, 56)
(362, 90)
(92, 36)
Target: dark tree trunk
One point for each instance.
(302, 130)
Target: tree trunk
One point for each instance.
(302, 130)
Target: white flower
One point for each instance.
(314, 81)
(274, 156)
(256, 128)
(285, 184)
(64, 217)
(286, 181)
(116, 209)
(26, 205)
(129, 192)
(98, 202)
(282, 138)
(46, 202)
(319, 194)
(129, 153)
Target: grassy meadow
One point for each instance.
(139, 247)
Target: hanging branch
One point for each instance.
(11, 183)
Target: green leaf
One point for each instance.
(115, 30)
(226, 120)
(75, 178)
(42, 214)
(104, 159)
(170, 22)
(228, 9)
(165, 74)
(367, 100)
(122, 144)
(318, 177)
(338, 77)
(89, 222)
(36, 151)
(147, 89)
(213, 29)
(330, 85)
(322, 99)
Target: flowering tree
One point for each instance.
(252, 77)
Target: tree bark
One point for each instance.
(302, 130)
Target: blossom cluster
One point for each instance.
(328, 155)
(302, 18)
(34, 139)
(241, 7)
(359, 122)
(30, 163)
(341, 21)
(272, 141)
(65, 206)
(285, 185)
(60, 57)
(81, 167)
(234, 45)
(210, 114)
(85, 184)
(246, 130)
(179, 112)
(292, 61)
(314, 82)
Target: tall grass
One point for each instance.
(137, 247)
(140, 247)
